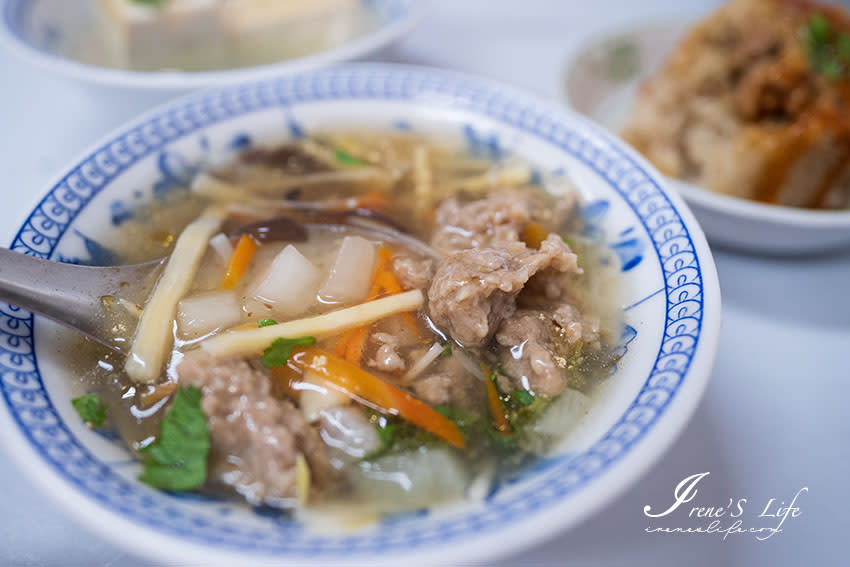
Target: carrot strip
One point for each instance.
(353, 342)
(356, 344)
(239, 261)
(494, 403)
(370, 389)
(342, 342)
(390, 284)
(284, 376)
(373, 200)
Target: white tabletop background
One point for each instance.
(776, 414)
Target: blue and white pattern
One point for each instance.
(667, 246)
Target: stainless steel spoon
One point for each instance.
(84, 298)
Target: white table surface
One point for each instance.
(775, 417)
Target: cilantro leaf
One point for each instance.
(281, 349)
(266, 322)
(153, 3)
(447, 350)
(177, 459)
(346, 158)
(523, 397)
(827, 49)
(90, 409)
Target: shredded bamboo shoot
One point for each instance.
(153, 335)
(274, 183)
(422, 182)
(511, 176)
(253, 341)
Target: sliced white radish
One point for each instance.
(289, 284)
(200, 314)
(351, 273)
(415, 478)
(348, 434)
(563, 414)
(317, 395)
(222, 247)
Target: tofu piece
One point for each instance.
(265, 31)
(241, 17)
(176, 34)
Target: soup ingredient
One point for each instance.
(474, 290)
(347, 159)
(759, 112)
(90, 408)
(283, 229)
(317, 395)
(350, 276)
(203, 313)
(348, 433)
(289, 284)
(415, 478)
(566, 411)
(531, 337)
(152, 340)
(497, 412)
(250, 341)
(255, 435)
(425, 361)
(382, 395)
(177, 459)
(242, 255)
(281, 349)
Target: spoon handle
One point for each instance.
(75, 296)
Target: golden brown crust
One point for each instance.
(738, 108)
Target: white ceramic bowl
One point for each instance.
(601, 82)
(670, 297)
(47, 32)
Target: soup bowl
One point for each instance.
(668, 290)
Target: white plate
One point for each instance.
(49, 32)
(670, 297)
(601, 82)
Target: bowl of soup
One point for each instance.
(401, 312)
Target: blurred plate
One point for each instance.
(601, 83)
(70, 38)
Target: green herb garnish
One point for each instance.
(622, 60)
(153, 3)
(177, 459)
(523, 397)
(90, 409)
(266, 322)
(447, 350)
(828, 50)
(346, 158)
(281, 349)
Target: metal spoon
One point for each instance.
(84, 298)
